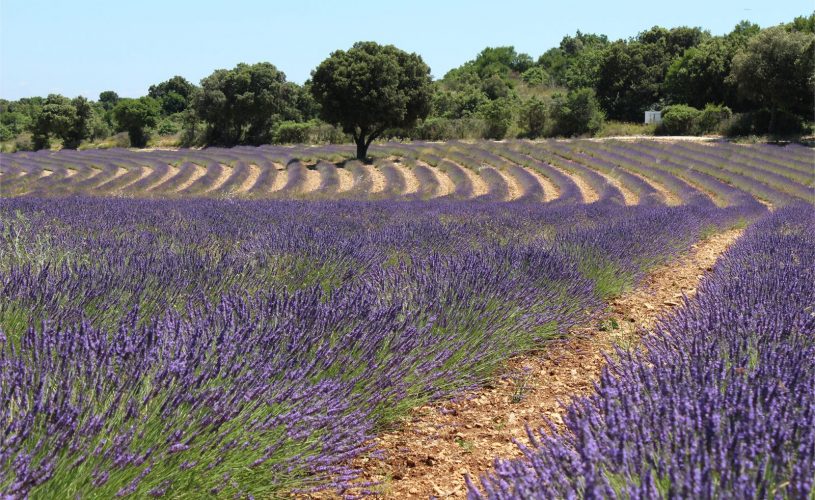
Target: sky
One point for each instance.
(85, 47)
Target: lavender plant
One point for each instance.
(719, 404)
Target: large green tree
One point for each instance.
(631, 75)
(699, 76)
(135, 116)
(370, 88)
(173, 95)
(576, 113)
(67, 119)
(776, 71)
(242, 105)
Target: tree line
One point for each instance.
(748, 81)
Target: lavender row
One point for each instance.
(235, 348)
(720, 403)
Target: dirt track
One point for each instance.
(439, 444)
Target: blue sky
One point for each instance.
(85, 47)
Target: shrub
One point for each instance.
(497, 115)
(758, 123)
(712, 117)
(434, 129)
(679, 119)
(6, 133)
(289, 132)
(535, 76)
(534, 118)
(615, 128)
(576, 113)
(168, 126)
(444, 129)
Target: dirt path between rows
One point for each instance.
(550, 190)
(439, 444)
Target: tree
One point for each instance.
(242, 105)
(497, 116)
(533, 118)
(700, 75)
(135, 116)
(631, 75)
(536, 76)
(173, 95)
(108, 99)
(370, 88)
(576, 113)
(57, 117)
(775, 71)
(80, 128)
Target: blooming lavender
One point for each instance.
(721, 402)
(194, 347)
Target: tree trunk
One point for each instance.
(362, 148)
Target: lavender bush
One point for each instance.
(252, 348)
(719, 404)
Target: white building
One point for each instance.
(654, 117)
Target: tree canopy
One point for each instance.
(135, 116)
(173, 95)
(241, 105)
(370, 88)
(776, 71)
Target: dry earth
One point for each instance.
(346, 180)
(378, 180)
(280, 179)
(226, 173)
(171, 172)
(198, 172)
(589, 194)
(550, 191)
(479, 186)
(439, 444)
(251, 179)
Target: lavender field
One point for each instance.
(243, 322)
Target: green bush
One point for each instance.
(535, 76)
(758, 123)
(679, 119)
(614, 129)
(290, 132)
(6, 133)
(497, 116)
(712, 117)
(534, 118)
(434, 129)
(576, 113)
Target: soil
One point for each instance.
(550, 191)
(171, 172)
(377, 179)
(514, 190)
(670, 198)
(479, 186)
(438, 444)
(119, 172)
(446, 185)
(280, 179)
(226, 173)
(589, 194)
(629, 197)
(312, 181)
(346, 180)
(411, 182)
(251, 179)
(197, 174)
